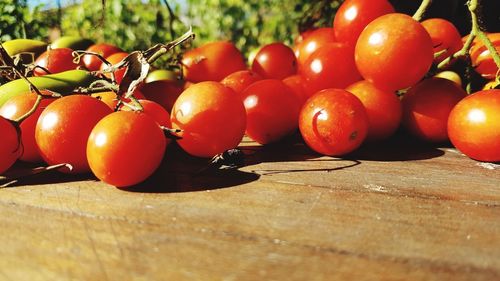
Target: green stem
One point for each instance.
(421, 10)
(31, 111)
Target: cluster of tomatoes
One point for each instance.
(339, 87)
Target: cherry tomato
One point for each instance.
(394, 52)
(481, 58)
(212, 118)
(239, 80)
(111, 99)
(297, 84)
(382, 107)
(10, 147)
(275, 61)
(272, 111)
(16, 107)
(331, 66)
(163, 92)
(353, 16)
(474, 126)
(114, 59)
(63, 128)
(333, 122)
(426, 107)
(445, 36)
(212, 62)
(55, 61)
(125, 148)
(93, 63)
(312, 42)
(154, 110)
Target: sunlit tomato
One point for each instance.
(481, 57)
(297, 84)
(331, 66)
(312, 42)
(114, 59)
(212, 62)
(275, 61)
(163, 92)
(474, 126)
(212, 118)
(93, 63)
(394, 52)
(16, 107)
(426, 107)
(63, 128)
(10, 147)
(125, 148)
(302, 36)
(445, 36)
(153, 109)
(110, 98)
(239, 80)
(272, 111)
(333, 122)
(353, 16)
(382, 107)
(55, 61)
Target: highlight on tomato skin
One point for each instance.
(474, 126)
(240, 80)
(333, 122)
(125, 148)
(314, 40)
(275, 61)
(445, 36)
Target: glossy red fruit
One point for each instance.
(212, 62)
(383, 108)
(314, 40)
(114, 59)
(212, 118)
(163, 92)
(394, 52)
(275, 61)
(481, 57)
(10, 147)
(63, 128)
(474, 126)
(297, 84)
(239, 80)
(272, 111)
(125, 148)
(93, 63)
(55, 61)
(445, 36)
(427, 105)
(333, 122)
(354, 15)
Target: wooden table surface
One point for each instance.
(392, 211)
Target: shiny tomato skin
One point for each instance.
(445, 36)
(239, 80)
(275, 61)
(16, 107)
(474, 126)
(426, 107)
(114, 59)
(212, 119)
(93, 63)
(10, 148)
(331, 66)
(383, 108)
(314, 40)
(481, 57)
(63, 128)
(394, 52)
(163, 92)
(55, 61)
(212, 62)
(353, 16)
(333, 122)
(125, 148)
(297, 84)
(154, 110)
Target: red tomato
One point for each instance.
(394, 52)
(63, 128)
(331, 66)
(212, 118)
(163, 92)
(125, 148)
(16, 107)
(445, 36)
(482, 59)
(272, 111)
(382, 107)
(212, 62)
(297, 84)
(55, 61)
(154, 110)
(474, 126)
(312, 42)
(109, 98)
(333, 122)
(275, 61)
(426, 107)
(239, 80)
(114, 59)
(353, 16)
(10, 148)
(93, 63)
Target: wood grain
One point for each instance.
(393, 211)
